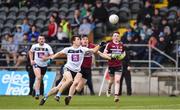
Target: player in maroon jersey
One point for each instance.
(86, 66)
(114, 65)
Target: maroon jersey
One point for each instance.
(87, 62)
(113, 48)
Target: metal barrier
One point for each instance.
(149, 61)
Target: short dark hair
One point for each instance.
(116, 32)
(41, 35)
(53, 16)
(74, 38)
(82, 36)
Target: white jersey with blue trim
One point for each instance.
(75, 57)
(39, 52)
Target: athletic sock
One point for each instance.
(58, 94)
(45, 97)
(37, 92)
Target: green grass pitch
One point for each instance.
(92, 102)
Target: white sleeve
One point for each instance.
(32, 48)
(50, 50)
(65, 50)
(85, 49)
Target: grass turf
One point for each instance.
(92, 102)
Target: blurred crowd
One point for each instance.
(151, 27)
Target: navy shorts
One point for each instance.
(43, 69)
(113, 70)
(86, 72)
(72, 72)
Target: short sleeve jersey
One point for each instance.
(113, 48)
(87, 62)
(75, 57)
(39, 51)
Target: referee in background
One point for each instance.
(126, 74)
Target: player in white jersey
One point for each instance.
(75, 55)
(36, 54)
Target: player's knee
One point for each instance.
(111, 81)
(70, 81)
(75, 83)
(117, 81)
(78, 89)
(38, 78)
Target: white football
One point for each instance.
(113, 19)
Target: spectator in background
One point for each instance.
(33, 33)
(77, 18)
(115, 3)
(100, 13)
(137, 28)
(3, 50)
(145, 33)
(4, 42)
(12, 48)
(152, 41)
(137, 52)
(163, 23)
(18, 35)
(85, 27)
(76, 21)
(173, 3)
(168, 39)
(22, 51)
(145, 15)
(25, 26)
(85, 1)
(66, 26)
(52, 29)
(156, 56)
(89, 15)
(156, 18)
(128, 35)
(62, 36)
(57, 18)
(86, 7)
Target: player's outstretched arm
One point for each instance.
(103, 55)
(96, 49)
(58, 54)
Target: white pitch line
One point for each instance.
(150, 106)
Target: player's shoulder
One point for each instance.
(46, 45)
(68, 48)
(35, 45)
(110, 43)
(91, 45)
